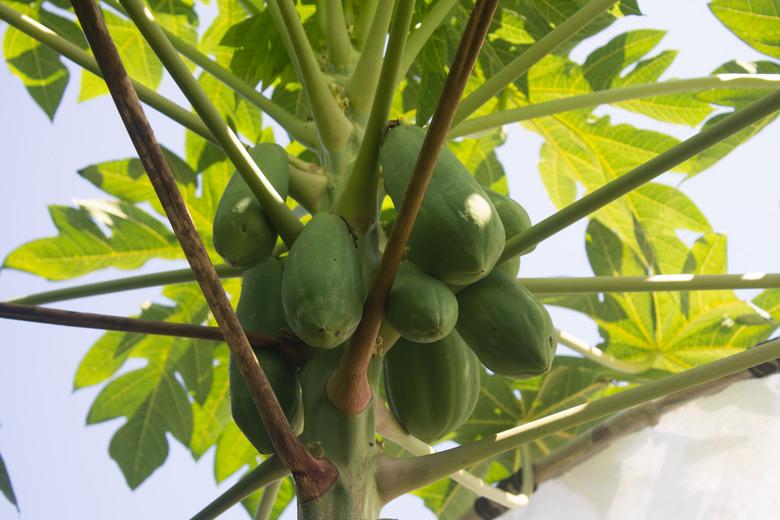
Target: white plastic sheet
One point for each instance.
(715, 458)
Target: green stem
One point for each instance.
(367, 10)
(520, 65)
(122, 284)
(399, 476)
(527, 487)
(337, 37)
(266, 506)
(642, 174)
(358, 202)
(268, 472)
(389, 428)
(333, 126)
(284, 34)
(420, 36)
(300, 130)
(85, 60)
(284, 220)
(362, 85)
(661, 282)
(307, 188)
(603, 97)
(599, 356)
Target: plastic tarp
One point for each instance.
(714, 458)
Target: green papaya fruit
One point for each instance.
(506, 327)
(515, 220)
(322, 285)
(420, 307)
(243, 234)
(432, 389)
(260, 310)
(458, 236)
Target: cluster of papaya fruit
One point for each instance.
(453, 305)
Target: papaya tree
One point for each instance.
(355, 291)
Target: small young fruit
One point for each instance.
(420, 307)
(506, 327)
(432, 389)
(243, 234)
(322, 286)
(515, 220)
(260, 310)
(457, 236)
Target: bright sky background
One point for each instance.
(60, 468)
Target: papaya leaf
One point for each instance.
(178, 16)
(82, 247)
(229, 13)
(234, 452)
(256, 57)
(735, 98)
(604, 65)
(39, 68)
(139, 59)
(127, 180)
(285, 495)
(479, 157)
(5, 485)
(212, 415)
(673, 331)
(755, 23)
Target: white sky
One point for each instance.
(60, 468)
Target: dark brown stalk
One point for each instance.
(293, 349)
(599, 438)
(348, 388)
(312, 476)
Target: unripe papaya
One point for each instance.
(322, 285)
(506, 327)
(458, 236)
(515, 220)
(432, 389)
(243, 234)
(420, 307)
(260, 310)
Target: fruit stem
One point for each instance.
(399, 476)
(312, 476)
(615, 95)
(348, 388)
(644, 173)
(358, 202)
(520, 65)
(307, 188)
